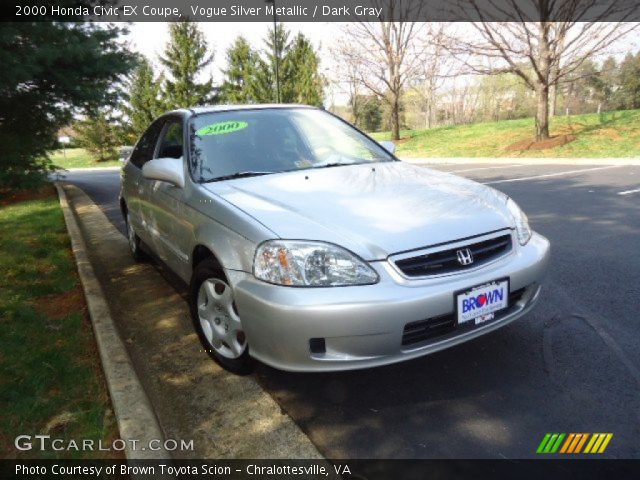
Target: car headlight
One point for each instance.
(310, 264)
(523, 230)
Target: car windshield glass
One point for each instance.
(240, 143)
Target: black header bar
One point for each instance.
(321, 11)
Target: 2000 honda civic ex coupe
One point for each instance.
(309, 246)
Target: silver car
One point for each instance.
(308, 246)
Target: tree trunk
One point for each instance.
(542, 112)
(553, 101)
(395, 117)
(542, 85)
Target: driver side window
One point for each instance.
(143, 150)
(171, 141)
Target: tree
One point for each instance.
(609, 76)
(97, 134)
(344, 72)
(185, 56)
(585, 89)
(303, 83)
(298, 64)
(263, 84)
(143, 99)
(385, 53)
(49, 71)
(241, 68)
(436, 67)
(543, 53)
(628, 95)
(369, 113)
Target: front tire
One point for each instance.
(135, 244)
(216, 318)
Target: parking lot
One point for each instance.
(573, 365)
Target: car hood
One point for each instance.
(374, 210)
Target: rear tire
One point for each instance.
(216, 319)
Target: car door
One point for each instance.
(165, 200)
(133, 182)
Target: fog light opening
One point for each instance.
(317, 346)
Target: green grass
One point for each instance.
(78, 158)
(48, 360)
(611, 134)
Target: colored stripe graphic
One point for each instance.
(590, 444)
(573, 443)
(543, 443)
(598, 442)
(567, 443)
(556, 445)
(551, 443)
(581, 443)
(576, 439)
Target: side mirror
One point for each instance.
(389, 146)
(168, 170)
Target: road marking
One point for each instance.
(487, 168)
(628, 192)
(558, 174)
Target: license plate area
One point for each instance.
(479, 304)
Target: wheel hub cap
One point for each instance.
(220, 322)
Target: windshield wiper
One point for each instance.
(231, 176)
(337, 164)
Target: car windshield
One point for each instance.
(241, 143)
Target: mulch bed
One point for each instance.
(555, 141)
(9, 197)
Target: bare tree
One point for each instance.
(543, 53)
(345, 76)
(435, 69)
(384, 54)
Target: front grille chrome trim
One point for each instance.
(448, 249)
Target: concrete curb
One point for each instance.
(90, 169)
(135, 416)
(520, 161)
(167, 356)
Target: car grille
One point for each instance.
(446, 261)
(422, 330)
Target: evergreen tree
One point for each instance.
(609, 76)
(185, 56)
(304, 84)
(98, 135)
(241, 61)
(49, 71)
(299, 79)
(143, 100)
(263, 84)
(368, 114)
(628, 94)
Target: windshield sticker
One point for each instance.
(221, 128)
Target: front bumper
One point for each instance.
(362, 326)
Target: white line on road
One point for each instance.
(487, 168)
(627, 192)
(557, 174)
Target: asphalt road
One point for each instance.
(572, 365)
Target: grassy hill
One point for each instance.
(611, 134)
(78, 158)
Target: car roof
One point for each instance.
(230, 108)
